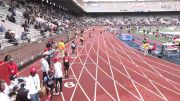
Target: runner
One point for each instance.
(66, 64)
(73, 47)
(81, 39)
(58, 75)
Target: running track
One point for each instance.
(106, 69)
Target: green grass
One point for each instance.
(160, 39)
(154, 29)
(164, 29)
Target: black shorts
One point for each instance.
(51, 89)
(81, 40)
(73, 48)
(66, 65)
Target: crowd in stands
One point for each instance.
(42, 17)
(135, 20)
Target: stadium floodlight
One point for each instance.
(54, 4)
(47, 1)
(50, 3)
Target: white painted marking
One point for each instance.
(69, 84)
(144, 75)
(153, 69)
(127, 77)
(78, 79)
(63, 97)
(117, 94)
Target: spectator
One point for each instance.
(33, 85)
(11, 36)
(12, 19)
(24, 36)
(58, 74)
(3, 96)
(152, 49)
(22, 93)
(12, 67)
(2, 29)
(7, 17)
(7, 58)
(25, 26)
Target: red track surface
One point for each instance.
(106, 69)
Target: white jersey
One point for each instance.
(4, 97)
(58, 70)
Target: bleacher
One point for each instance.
(16, 27)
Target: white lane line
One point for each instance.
(143, 73)
(108, 75)
(117, 94)
(133, 83)
(153, 57)
(140, 61)
(133, 80)
(95, 88)
(128, 77)
(77, 79)
(142, 68)
(63, 97)
(152, 64)
(168, 80)
(110, 78)
(140, 74)
(160, 74)
(152, 68)
(145, 77)
(97, 83)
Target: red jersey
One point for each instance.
(65, 59)
(12, 69)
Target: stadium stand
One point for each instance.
(26, 28)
